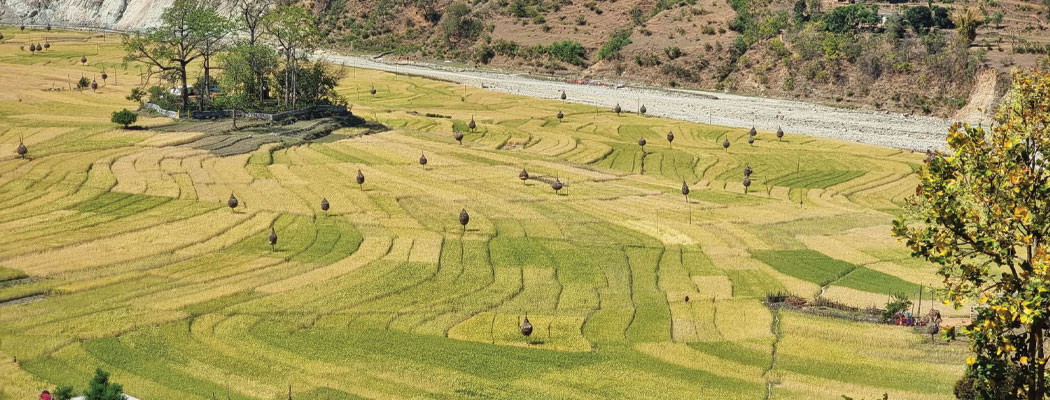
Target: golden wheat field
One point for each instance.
(117, 251)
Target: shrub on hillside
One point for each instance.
(617, 42)
(647, 60)
(672, 52)
(568, 51)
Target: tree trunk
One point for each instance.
(287, 79)
(1037, 384)
(207, 82)
(185, 89)
(295, 82)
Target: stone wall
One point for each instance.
(157, 109)
(213, 114)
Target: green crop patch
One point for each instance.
(519, 252)
(9, 274)
(752, 283)
(870, 280)
(807, 265)
(487, 361)
(754, 352)
(335, 239)
(220, 303)
(328, 393)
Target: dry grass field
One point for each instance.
(117, 251)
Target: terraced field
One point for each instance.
(117, 251)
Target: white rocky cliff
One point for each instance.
(125, 15)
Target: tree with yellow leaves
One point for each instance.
(968, 20)
(981, 214)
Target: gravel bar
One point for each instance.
(902, 131)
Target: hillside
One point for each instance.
(768, 48)
(774, 48)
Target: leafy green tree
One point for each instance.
(981, 213)
(214, 28)
(136, 95)
(895, 27)
(249, 19)
(295, 31)
(800, 12)
(64, 393)
(124, 117)
(996, 19)
(101, 388)
(920, 18)
(851, 17)
(177, 42)
(940, 18)
(316, 84)
(246, 67)
(457, 26)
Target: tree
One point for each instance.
(897, 304)
(295, 31)
(895, 27)
(920, 18)
(136, 95)
(849, 18)
(800, 12)
(64, 393)
(981, 214)
(250, 17)
(245, 68)
(940, 18)
(968, 21)
(456, 25)
(316, 83)
(174, 44)
(996, 19)
(124, 117)
(213, 28)
(101, 388)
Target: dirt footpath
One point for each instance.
(909, 132)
